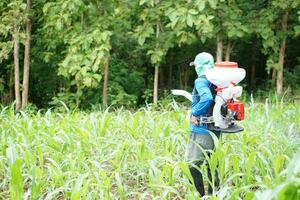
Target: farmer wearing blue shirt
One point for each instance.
(200, 136)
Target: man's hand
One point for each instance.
(194, 120)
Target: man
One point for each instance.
(199, 133)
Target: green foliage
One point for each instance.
(124, 89)
(72, 40)
(152, 19)
(85, 58)
(270, 29)
(232, 18)
(12, 13)
(122, 154)
(64, 101)
(15, 165)
(297, 27)
(156, 56)
(5, 50)
(292, 78)
(290, 187)
(183, 18)
(87, 42)
(2, 84)
(142, 32)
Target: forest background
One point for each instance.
(87, 53)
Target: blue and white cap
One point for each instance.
(203, 61)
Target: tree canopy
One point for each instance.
(126, 53)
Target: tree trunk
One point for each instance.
(279, 82)
(161, 79)
(155, 89)
(219, 47)
(228, 51)
(26, 57)
(156, 73)
(105, 82)
(11, 86)
(17, 70)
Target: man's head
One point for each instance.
(203, 61)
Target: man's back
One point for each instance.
(202, 100)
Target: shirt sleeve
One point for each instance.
(205, 95)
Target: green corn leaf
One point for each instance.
(16, 182)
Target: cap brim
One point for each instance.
(191, 64)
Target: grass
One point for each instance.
(139, 155)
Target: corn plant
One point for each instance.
(122, 154)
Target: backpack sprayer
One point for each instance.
(227, 109)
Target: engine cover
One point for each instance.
(238, 109)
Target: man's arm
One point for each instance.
(205, 95)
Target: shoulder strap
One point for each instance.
(213, 90)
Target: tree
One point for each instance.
(83, 53)
(17, 67)
(168, 23)
(153, 28)
(83, 27)
(105, 82)
(230, 23)
(273, 28)
(11, 22)
(27, 55)
(284, 24)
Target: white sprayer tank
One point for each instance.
(225, 76)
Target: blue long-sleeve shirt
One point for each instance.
(202, 100)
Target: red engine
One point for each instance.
(238, 109)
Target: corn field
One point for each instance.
(140, 155)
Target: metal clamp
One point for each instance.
(206, 120)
